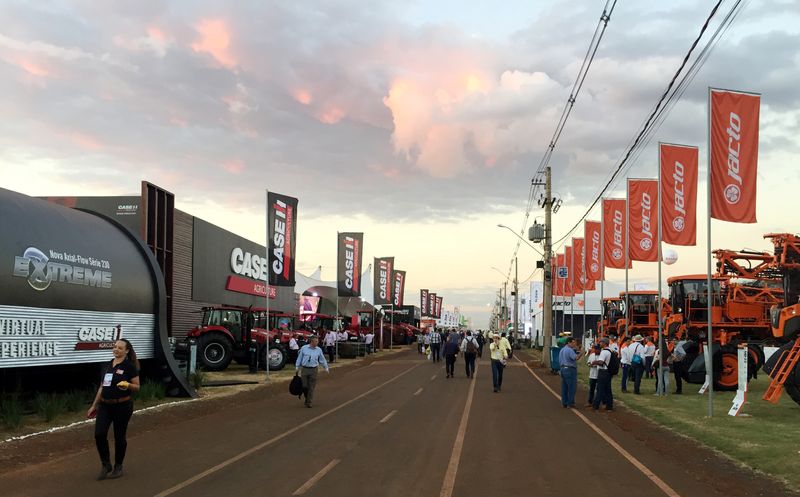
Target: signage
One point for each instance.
(282, 238)
(383, 284)
(250, 287)
(399, 281)
(350, 249)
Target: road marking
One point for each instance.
(455, 457)
(274, 439)
(389, 416)
(317, 477)
(433, 377)
(418, 392)
(627, 455)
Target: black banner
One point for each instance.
(399, 284)
(431, 304)
(282, 237)
(350, 250)
(439, 307)
(423, 302)
(382, 286)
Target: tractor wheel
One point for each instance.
(278, 356)
(793, 391)
(726, 369)
(755, 360)
(772, 363)
(214, 352)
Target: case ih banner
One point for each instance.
(439, 307)
(399, 282)
(643, 209)
(594, 263)
(678, 194)
(431, 304)
(350, 250)
(578, 264)
(614, 233)
(734, 155)
(282, 238)
(383, 285)
(423, 302)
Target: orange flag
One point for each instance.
(678, 194)
(592, 233)
(643, 209)
(614, 232)
(578, 261)
(734, 155)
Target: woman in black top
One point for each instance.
(113, 404)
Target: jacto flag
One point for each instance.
(350, 250)
(590, 285)
(399, 290)
(578, 262)
(561, 275)
(569, 290)
(282, 238)
(642, 220)
(423, 302)
(678, 194)
(432, 304)
(383, 286)
(594, 268)
(734, 155)
(614, 233)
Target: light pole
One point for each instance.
(503, 300)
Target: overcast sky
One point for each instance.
(420, 123)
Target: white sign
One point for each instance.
(33, 336)
(741, 393)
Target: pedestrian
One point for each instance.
(436, 345)
(330, 344)
(450, 352)
(421, 342)
(294, 348)
(342, 336)
(663, 368)
(568, 358)
(369, 339)
(638, 360)
(308, 361)
(506, 344)
(679, 366)
(481, 342)
(649, 355)
(593, 356)
(625, 363)
(604, 395)
(113, 405)
(469, 346)
(613, 346)
(498, 354)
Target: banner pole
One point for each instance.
(709, 294)
(391, 329)
(266, 355)
(661, 341)
(602, 264)
(627, 251)
(337, 323)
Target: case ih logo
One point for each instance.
(98, 337)
(350, 269)
(733, 192)
(40, 271)
(385, 270)
(282, 238)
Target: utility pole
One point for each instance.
(516, 300)
(504, 310)
(547, 304)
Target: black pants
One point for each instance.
(331, 352)
(648, 366)
(592, 389)
(435, 351)
(678, 369)
(119, 415)
(603, 395)
(637, 370)
(450, 364)
(469, 359)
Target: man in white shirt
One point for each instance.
(625, 363)
(342, 336)
(594, 355)
(649, 354)
(638, 361)
(604, 394)
(368, 339)
(330, 344)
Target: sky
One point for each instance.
(419, 123)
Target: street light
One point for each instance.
(524, 240)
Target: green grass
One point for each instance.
(151, 390)
(197, 379)
(11, 409)
(764, 436)
(50, 405)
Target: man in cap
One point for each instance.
(308, 360)
(638, 360)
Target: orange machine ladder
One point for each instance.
(788, 363)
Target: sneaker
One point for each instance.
(117, 473)
(104, 471)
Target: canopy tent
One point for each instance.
(327, 291)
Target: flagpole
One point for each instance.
(266, 355)
(584, 282)
(709, 295)
(627, 251)
(337, 323)
(602, 261)
(661, 342)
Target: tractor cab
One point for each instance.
(612, 312)
(688, 297)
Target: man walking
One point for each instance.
(436, 345)
(604, 394)
(481, 343)
(638, 360)
(450, 351)
(308, 360)
(469, 346)
(568, 361)
(498, 354)
(330, 344)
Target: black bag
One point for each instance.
(613, 363)
(472, 347)
(296, 386)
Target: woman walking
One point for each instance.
(113, 405)
(450, 352)
(499, 355)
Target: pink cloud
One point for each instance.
(234, 166)
(84, 140)
(331, 114)
(302, 96)
(215, 40)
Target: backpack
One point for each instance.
(472, 348)
(636, 359)
(613, 363)
(296, 386)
